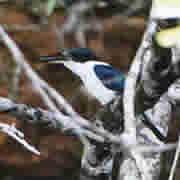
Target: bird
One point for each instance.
(100, 79)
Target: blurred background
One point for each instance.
(113, 29)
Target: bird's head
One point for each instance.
(71, 58)
(167, 15)
(67, 54)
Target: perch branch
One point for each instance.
(64, 123)
(47, 118)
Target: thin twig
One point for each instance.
(18, 136)
(14, 92)
(173, 168)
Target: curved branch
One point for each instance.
(132, 78)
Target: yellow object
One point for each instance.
(168, 38)
(167, 9)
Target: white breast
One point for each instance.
(94, 86)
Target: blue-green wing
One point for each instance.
(111, 77)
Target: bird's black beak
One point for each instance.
(54, 58)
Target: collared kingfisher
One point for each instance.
(101, 80)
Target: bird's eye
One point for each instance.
(168, 23)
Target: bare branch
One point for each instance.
(173, 168)
(17, 135)
(46, 118)
(131, 80)
(53, 120)
(19, 59)
(14, 92)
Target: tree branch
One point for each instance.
(81, 127)
(132, 78)
(173, 168)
